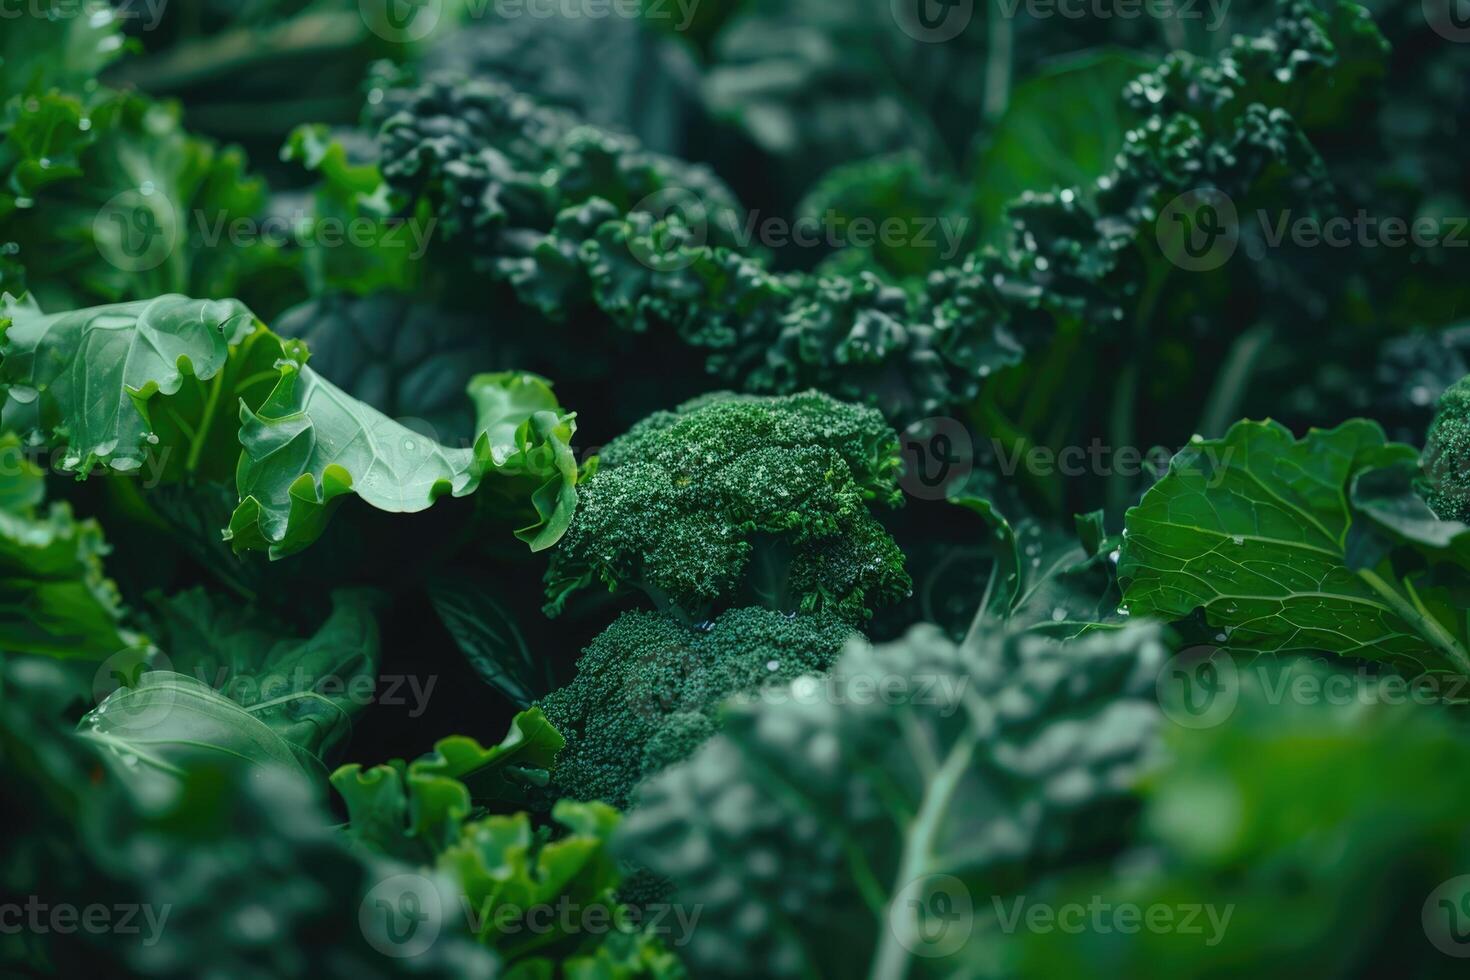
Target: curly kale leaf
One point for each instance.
(737, 494)
(1277, 816)
(415, 811)
(649, 690)
(584, 222)
(806, 831)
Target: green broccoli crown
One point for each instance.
(737, 497)
(648, 690)
(1447, 455)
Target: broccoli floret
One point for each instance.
(648, 690)
(741, 500)
(1447, 455)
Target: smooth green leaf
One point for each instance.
(1256, 529)
(487, 634)
(166, 726)
(137, 388)
(1062, 128)
(306, 688)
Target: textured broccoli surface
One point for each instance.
(1447, 455)
(648, 690)
(735, 498)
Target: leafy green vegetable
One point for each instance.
(116, 385)
(56, 596)
(169, 370)
(792, 262)
(981, 764)
(414, 811)
(1264, 844)
(489, 637)
(1264, 533)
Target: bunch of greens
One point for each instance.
(866, 617)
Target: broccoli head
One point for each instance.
(648, 690)
(741, 500)
(1447, 455)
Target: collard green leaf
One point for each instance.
(175, 388)
(55, 597)
(166, 726)
(306, 688)
(525, 443)
(146, 387)
(1257, 529)
(1044, 579)
(310, 444)
(803, 832)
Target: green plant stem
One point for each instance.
(1427, 625)
(1125, 392)
(1001, 36)
(892, 960)
(1223, 405)
(206, 422)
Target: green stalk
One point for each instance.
(892, 961)
(1428, 627)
